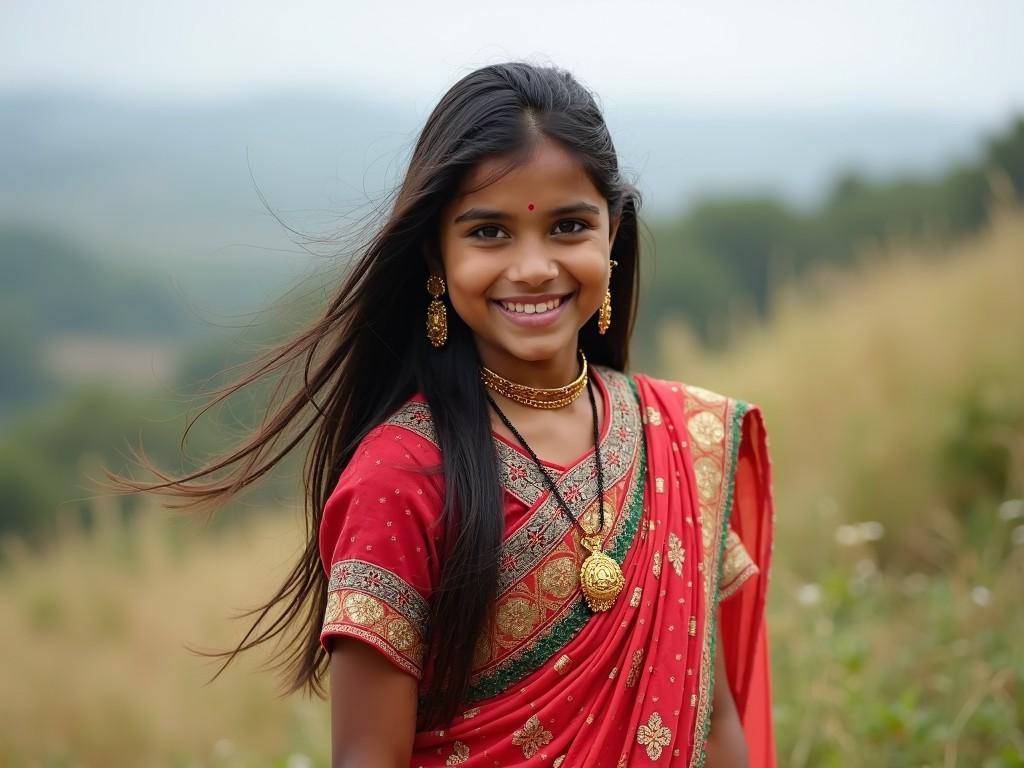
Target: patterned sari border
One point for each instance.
(704, 716)
(378, 607)
(362, 576)
(562, 631)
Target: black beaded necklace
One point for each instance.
(547, 477)
(600, 576)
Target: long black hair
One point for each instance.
(367, 353)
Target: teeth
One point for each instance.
(532, 309)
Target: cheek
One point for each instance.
(592, 276)
(468, 283)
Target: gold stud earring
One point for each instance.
(604, 314)
(437, 313)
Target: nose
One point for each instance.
(532, 264)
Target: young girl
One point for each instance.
(519, 553)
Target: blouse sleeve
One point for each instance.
(737, 565)
(379, 541)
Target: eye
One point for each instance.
(583, 226)
(484, 228)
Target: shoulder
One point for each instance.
(693, 396)
(394, 475)
(401, 445)
(683, 389)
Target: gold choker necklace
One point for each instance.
(537, 397)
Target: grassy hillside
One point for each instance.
(895, 409)
(894, 405)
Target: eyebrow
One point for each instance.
(475, 214)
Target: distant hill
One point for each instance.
(52, 287)
(168, 184)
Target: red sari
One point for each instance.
(689, 518)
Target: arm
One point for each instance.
(373, 708)
(727, 746)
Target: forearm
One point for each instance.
(726, 745)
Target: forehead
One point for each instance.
(548, 172)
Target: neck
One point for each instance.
(556, 371)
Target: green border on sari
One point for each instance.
(566, 628)
(740, 410)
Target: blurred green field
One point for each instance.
(895, 407)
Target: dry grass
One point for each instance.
(98, 672)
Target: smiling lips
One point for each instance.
(542, 311)
(531, 308)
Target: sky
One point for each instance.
(957, 58)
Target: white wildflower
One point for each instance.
(847, 535)
(871, 530)
(981, 596)
(808, 594)
(1011, 509)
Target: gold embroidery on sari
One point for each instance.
(653, 416)
(376, 605)
(676, 555)
(709, 478)
(531, 737)
(547, 577)
(539, 600)
(634, 668)
(713, 424)
(528, 545)
(362, 609)
(563, 664)
(558, 761)
(654, 735)
(471, 712)
(659, 484)
(560, 577)
(737, 566)
(709, 397)
(656, 567)
(517, 617)
(634, 601)
(459, 755)
(706, 429)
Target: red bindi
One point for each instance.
(529, 207)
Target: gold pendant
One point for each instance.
(600, 576)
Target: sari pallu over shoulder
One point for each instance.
(724, 445)
(555, 684)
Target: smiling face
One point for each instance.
(526, 261)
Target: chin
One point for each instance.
(533, 351)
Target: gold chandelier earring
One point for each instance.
(437, 313)
(604, 314)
